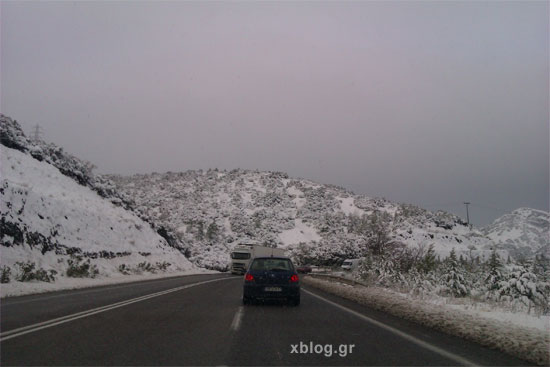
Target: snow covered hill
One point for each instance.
(210, 211)
(55, 209)
(54, 227)
(523, 232)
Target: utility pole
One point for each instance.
(467, 213)
(37, 133)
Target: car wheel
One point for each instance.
(246, 301)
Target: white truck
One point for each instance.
(244, 252)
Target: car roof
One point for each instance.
(272, 257)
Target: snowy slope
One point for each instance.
(212, 210)
(524, 231)
(47, 216)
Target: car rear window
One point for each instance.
(271, 264)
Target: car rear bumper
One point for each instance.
(258, 291)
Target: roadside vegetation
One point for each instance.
(525, 343)
(25, 272)
(144, 267)
(519, 285)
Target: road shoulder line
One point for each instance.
(458, 359)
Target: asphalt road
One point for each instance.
(199, 320)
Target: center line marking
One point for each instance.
(236, 324)
(61, 320)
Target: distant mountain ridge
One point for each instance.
(525, 232)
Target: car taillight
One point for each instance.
(294, 278)
(248, 277)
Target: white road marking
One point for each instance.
(421, 343)
(61, 320)
(236, 324)
(104, 288)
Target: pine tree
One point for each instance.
(388, 271)
(541, 267)
(212, 231)
(200, 231)
(428, 262)
(494, 271)
(454, 279)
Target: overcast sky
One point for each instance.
(431, 103)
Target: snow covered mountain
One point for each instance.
(52, 223)
(54, 208)
(523, 232)
(210, 211)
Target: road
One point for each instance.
(199, 320)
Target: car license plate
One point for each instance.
(273, 289)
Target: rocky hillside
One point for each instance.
(524, 232)
(54, 222)
(203, 214)
(210, 211)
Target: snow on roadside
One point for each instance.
(528, 343)
(541, 323)
(24, 288)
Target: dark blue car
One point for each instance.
(271, 278)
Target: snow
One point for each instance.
(505, 332)
(310, 185)
(265, 205)
(227, 226)
(541, 322)
(24, 288)
(507, 234)
(39, 199)
(292, 190)
(247, 198)
(347, 205)
(300, 233)
(523, 232)
(82, 218)
(298, 199)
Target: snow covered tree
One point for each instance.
(453, 277)
(388, 271)
(421, 283)
(494, 275)
(200, 231)
(428, 261)
(541, 267)
(378, 232)
(212, 231)
(522, 286)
